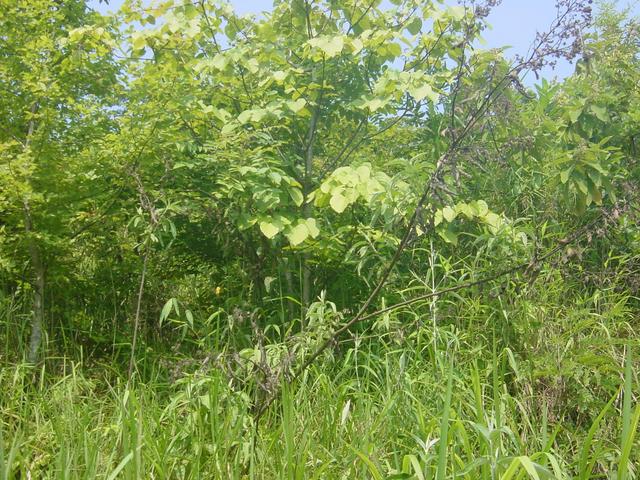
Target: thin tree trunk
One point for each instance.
(37, 266)
(291, 293)
(307, 209)
(136, 321)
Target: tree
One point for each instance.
(56, 75)
(258, 114)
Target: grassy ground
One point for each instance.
(429, 403)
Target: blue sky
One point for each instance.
(514, 23)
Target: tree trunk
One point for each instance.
(290, 291)
(307, 209)
(136, 321)
(37, 319)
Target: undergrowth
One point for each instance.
(430, 402)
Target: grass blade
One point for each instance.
(444, 425)
(583, 464)
(120, 466)
(629, 424)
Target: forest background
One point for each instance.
(341, 239)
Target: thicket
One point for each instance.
(339, 240)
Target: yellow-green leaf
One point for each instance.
(600, 112)
(296, 105)
(269, 229)
(330, 45)
(338, 202)
(448, 236)
(279, 75)
(296, 196)
(424, 91)
(138, 41)
(219, 62)
(314, 231)
(481, 207)
(449, 214)
(298, 234)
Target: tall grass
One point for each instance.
(478, 392)
(401, 419)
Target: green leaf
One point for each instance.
(364, 172)
(296, 105)
(245, 116)
(493, 220)
(296, 196)
(582, 185)
(449, 214)
(138, 41)
(166, 310)
(581, 203)
(481, 207)
(373, 470)
(320, 199)
(314, 231)
(564, 175)
(393, 49)
(600, 112)
(583, 471)
(441, 472)
(529, 467)
(219, 62)
(465, 209)
(254, 115)
(356, 45)
(595, 193)
(424, 91)
(276, 178)
(298, 234)
(448, 235)
(375, 103)
(330, 45)
(279, 75)
(437, 218)
(338, 202)
(574, 115)
(414, 26)
(456, 13)
(228, 128)
(269, 229)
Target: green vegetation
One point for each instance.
(337, 241)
